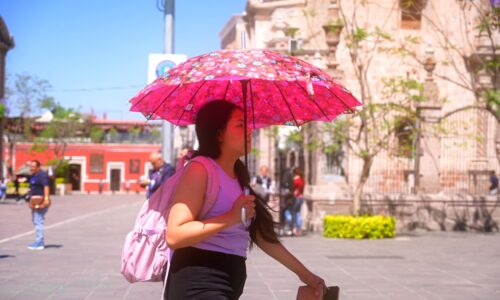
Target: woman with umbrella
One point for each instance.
(227, 93)
(210, 254)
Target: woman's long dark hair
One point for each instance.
(211, 121)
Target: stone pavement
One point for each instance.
(85, 233)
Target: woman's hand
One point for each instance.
(248, 202)
(315, 282)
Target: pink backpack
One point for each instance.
(145, 252)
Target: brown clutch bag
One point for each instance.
(38, 200)
(307, 293)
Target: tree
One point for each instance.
(387, 122)
(65, 125)
(470, 54)
(376, 128)
(26, 98)
(21, 101)
(96, 134)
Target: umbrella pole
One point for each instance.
(244, 85)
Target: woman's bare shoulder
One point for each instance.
(195, 172)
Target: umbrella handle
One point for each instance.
(246, 191)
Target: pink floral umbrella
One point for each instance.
(278, 88)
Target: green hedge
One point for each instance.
(364, 227)
(11, 184)
(60, 180)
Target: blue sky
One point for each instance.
(103, 44)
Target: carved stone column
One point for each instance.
(332, 34)
(428, 149)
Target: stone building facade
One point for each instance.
(445, 57)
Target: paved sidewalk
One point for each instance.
(85, 235)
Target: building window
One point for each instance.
(96, 163)
(411, 13)
(135, 166)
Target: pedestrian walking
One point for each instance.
(210, 253)
(262, 184)
(298, 194)
(127, 186)
(101, 186)
(39, 189)
(287, 201)
(3, 189)
(160, 172)
(493, 183)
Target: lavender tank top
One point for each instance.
(235, 239)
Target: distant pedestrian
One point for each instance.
(262, 184)
(16, 189)
(101, 186)
(298, 193)
(286, 202)
(493, 183)
(39, 188)
(127, 186)
(161, 171)
(3, 189)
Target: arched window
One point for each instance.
(411, 13)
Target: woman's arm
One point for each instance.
(282, 255)
(183, 228)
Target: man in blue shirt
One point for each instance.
(39, 186)
(161, 171)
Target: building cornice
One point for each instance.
(232, 23)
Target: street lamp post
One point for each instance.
(167, 6)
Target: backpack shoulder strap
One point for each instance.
(213, 185)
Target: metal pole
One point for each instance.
(244, 84)
(167, 150)
(417, 154)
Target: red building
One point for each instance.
(114, 164)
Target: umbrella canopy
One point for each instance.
(278, 88)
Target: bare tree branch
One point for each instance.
(468, 107)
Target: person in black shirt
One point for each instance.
(39, 186)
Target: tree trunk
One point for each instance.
(365, 174)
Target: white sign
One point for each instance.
(160, 63)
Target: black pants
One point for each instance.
(205, 275)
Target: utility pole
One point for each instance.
(167, 6)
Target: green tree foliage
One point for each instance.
(96, 134)
(65, 125)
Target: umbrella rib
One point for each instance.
(161, 102)
(227, 88)
(348, 108)
(191, 100)
(140, 100)
(312, 99)
(284, 100)
(251, 99)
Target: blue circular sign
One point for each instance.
(163, 67)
